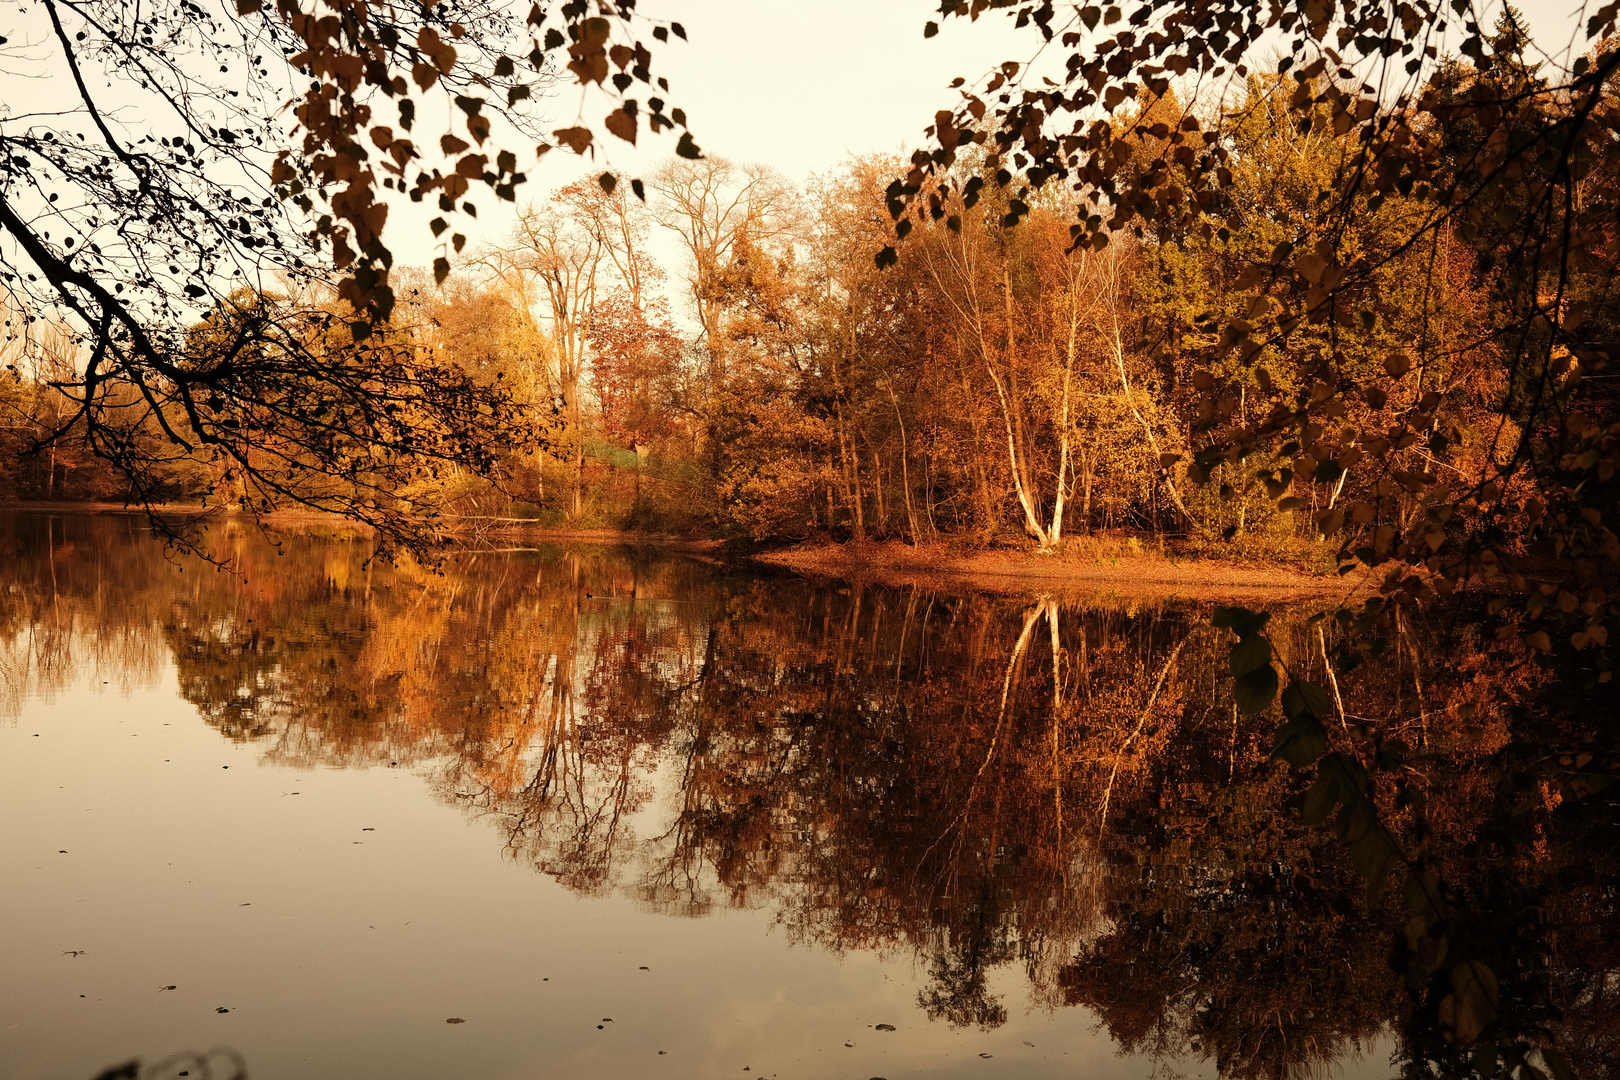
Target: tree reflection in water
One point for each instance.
(982, 781)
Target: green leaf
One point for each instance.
(1241, 620)
(1304, 699)
(1322, 798)
(1471, 1005)
(1424, 895)
(1374, 856)
(1255, 691)
(1300, 742)
(1250, 654)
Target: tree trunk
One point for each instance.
(905, 468)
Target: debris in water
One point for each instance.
(885, 1027)
(1028, 1043)
(163, 988)
(74, 952)
(222, 1009)
(455, 1020)
(986, 1055)
(644, 967)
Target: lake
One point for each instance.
(600, 812)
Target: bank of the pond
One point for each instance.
(1115, 565)
(1082, 569)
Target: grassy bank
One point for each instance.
(1105, 565)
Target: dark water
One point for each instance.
(632, 815)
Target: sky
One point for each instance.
(799, 85)
(802, 86)
(805, 86)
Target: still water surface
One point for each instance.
(631, 815)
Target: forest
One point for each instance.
(724, 356)
(1223, 278)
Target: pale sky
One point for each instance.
(804, 86)
(799, 85)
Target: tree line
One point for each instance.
(998, 380)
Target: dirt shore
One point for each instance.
(1086, 568)
(1144, 574)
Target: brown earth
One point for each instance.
(1128, 574)
(1086, 568)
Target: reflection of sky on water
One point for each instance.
(356, 946)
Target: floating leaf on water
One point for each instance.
(455, 1020)
(222, 1009)
(885, 1027)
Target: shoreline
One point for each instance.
(1145, 574)
(1110, 569)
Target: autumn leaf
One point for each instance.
(576, 139)
(622, 124)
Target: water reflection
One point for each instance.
(1060, 788)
